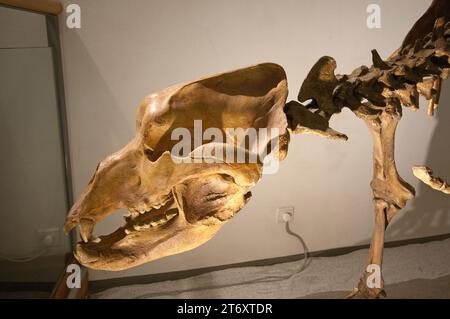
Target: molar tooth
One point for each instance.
(170, 216)
(141, 226)
(134, 215)
(144, 225)
(86, 228)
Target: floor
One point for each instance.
(438, 288)
(25, 295)
(413, 271)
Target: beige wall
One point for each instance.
(128, 49)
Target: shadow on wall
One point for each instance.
(430, 211)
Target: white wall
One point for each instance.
(128, 49)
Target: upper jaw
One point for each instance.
(139, 215)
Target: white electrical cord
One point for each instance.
(305, 248)
(255, 281)
(47, 241)
(24, 259)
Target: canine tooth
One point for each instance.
(86, 228)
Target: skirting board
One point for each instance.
(99, 285)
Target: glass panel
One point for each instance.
(33, 201)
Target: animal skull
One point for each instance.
(176, 206)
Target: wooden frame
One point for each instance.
(43, 6)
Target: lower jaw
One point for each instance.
(133, 251)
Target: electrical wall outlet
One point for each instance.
(48, 237)
(285, 214)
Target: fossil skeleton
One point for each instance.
(175, 207)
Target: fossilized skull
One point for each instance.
(176, 206)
